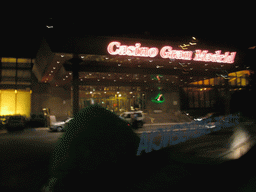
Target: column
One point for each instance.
(75, 83)
(227, 97)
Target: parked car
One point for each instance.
(59, 126)
(127, 116)
(15, 123)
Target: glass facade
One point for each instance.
(239, 78)
(207, 92)
(15, 82)
(114, 98)
(16, 71)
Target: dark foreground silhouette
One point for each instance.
(95, 151)
(98, 152)
(24, 164)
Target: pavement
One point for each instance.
(156, 118)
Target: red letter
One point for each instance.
(152, 52)
(231, 58)
(208, 57)
(218, 58)
(143, 51)
(130, 51)
(200, 55)
(226, 57)
(187, 55)
(110, 47)
(137, 47)
(164, 53)
(122, 50)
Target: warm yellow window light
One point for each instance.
(8, 60)
(15, 102)
(233, 76)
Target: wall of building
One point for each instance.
(57, 99)
(171, 102)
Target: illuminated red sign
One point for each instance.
(167, 52)
(217, 57)
(116, 48)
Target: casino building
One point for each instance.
(121, 74)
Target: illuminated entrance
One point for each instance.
(114, 98)
(125, 73)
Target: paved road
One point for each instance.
(24, 160)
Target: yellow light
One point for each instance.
(9, 103)
(8, 60)
(23, 60)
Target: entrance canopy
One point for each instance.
(115, 61)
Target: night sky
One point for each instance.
(20, 36)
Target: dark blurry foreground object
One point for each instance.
(97, 149)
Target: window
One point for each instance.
(238, 80)
(196, 100)
(212, 81)
(206, 82)
(8, 73)
(23, 74)
(201, 97)
(207, 100)
(218, 80)
(190, 99)
(244, 80)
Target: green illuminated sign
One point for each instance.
(158, 99)
(157, 77)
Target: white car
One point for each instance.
(127, 116)
(59, 126)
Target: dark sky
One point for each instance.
(22, 35)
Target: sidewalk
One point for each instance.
(155, 118)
